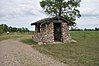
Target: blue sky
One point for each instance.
(21, 13)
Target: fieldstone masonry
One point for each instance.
(65, 33)
(46, 34)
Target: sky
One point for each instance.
(21, 13)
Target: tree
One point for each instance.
(96, 29)
(62, 8)
(3, 28)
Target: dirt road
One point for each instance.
(15, 53)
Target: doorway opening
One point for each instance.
(57, 32)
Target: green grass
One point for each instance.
(3, 38)
(29, 41)
(83, 53)
(23, 37)
(15, 36)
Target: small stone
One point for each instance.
(73, 41)
(40, 43)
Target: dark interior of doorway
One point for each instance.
(57, 32)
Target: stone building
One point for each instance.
(52, 30)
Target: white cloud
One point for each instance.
(88, 22)
(89, 7)
(23, 12)
(90, 1)
(16, 8)
(19, 7)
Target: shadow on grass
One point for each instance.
(29, 41)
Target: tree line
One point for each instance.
(4, 28)
(86, 29)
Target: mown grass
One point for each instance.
(83, 53)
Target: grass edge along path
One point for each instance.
(83, 53)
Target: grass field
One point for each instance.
(83, 53)
(16, 36)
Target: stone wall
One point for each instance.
(50, 33)
(46, 34)
(65, 33)
(37, 35)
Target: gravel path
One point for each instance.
(15, 53)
